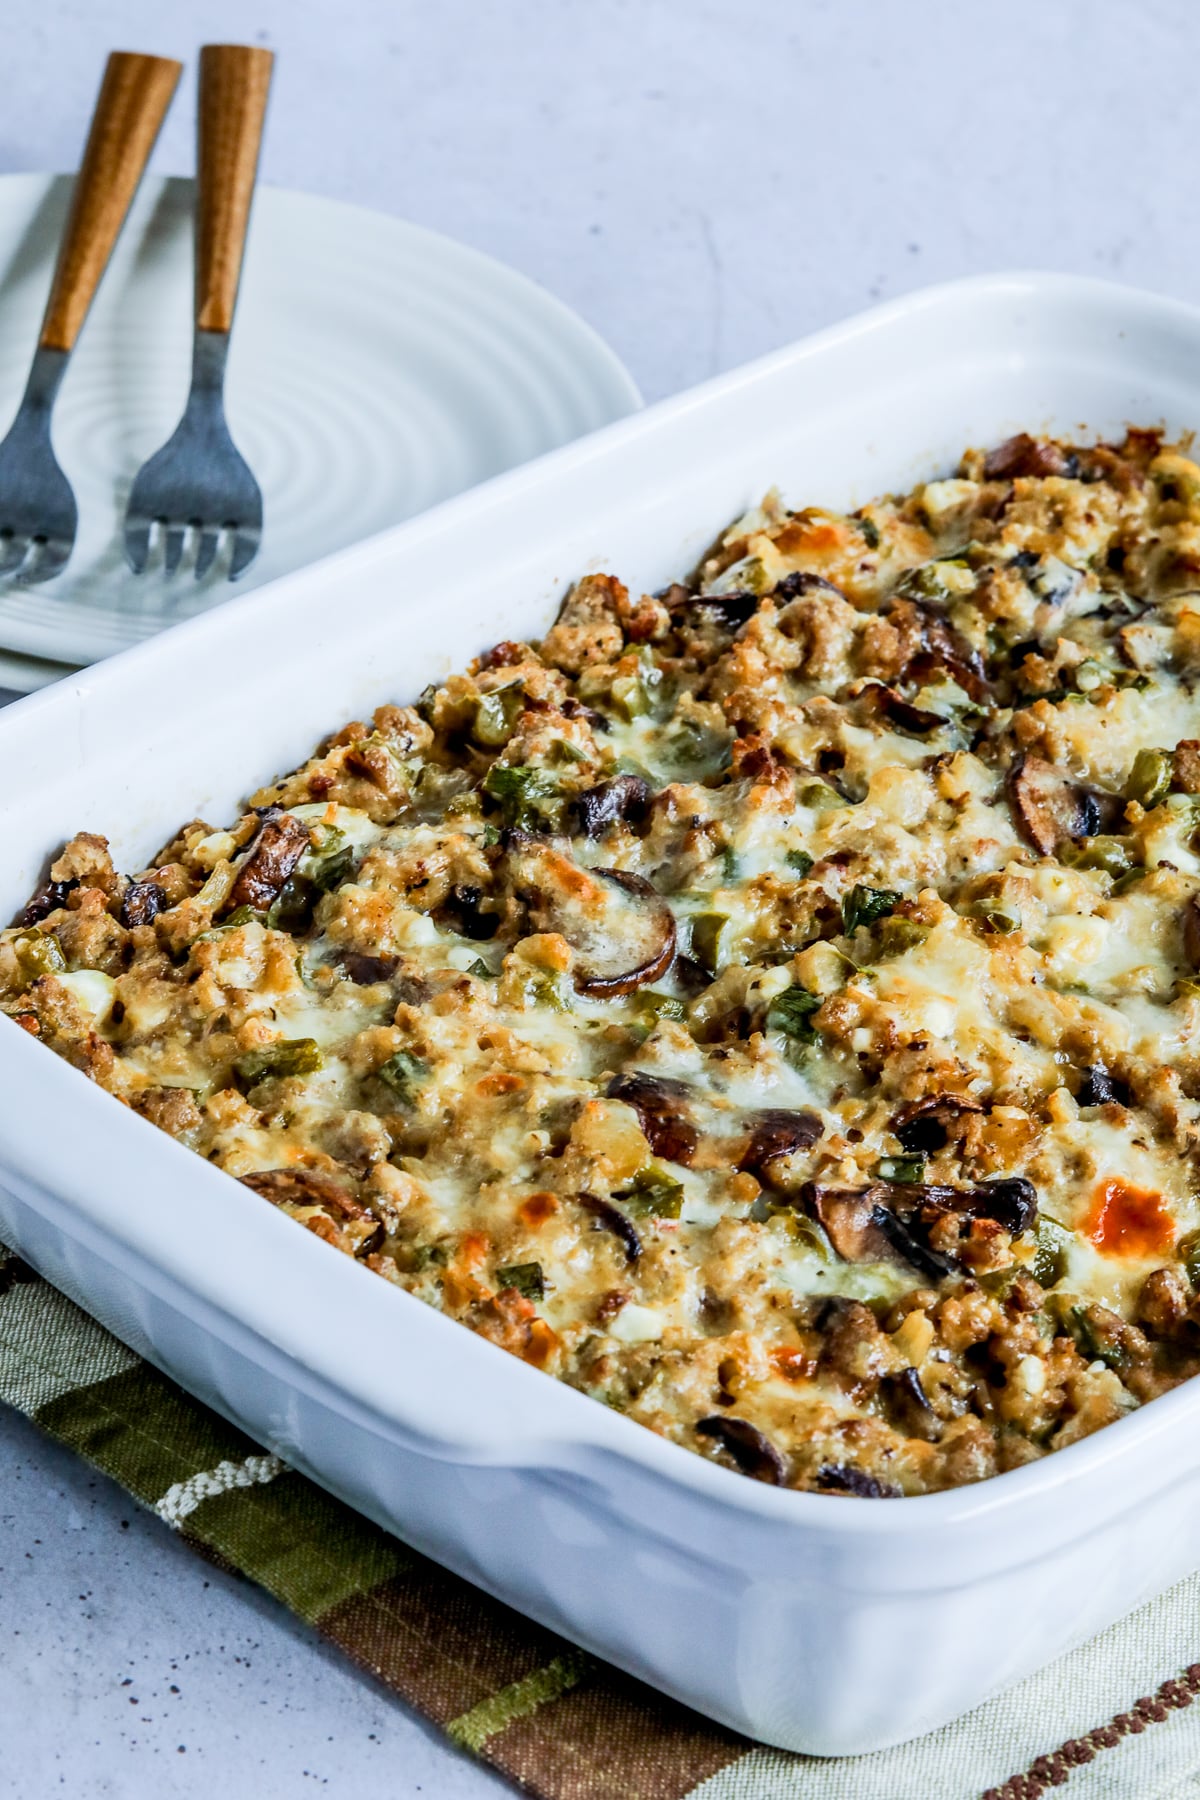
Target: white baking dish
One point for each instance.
(814, 1622)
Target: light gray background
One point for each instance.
(703, 180)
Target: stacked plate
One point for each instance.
(375, 369)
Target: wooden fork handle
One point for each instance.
(234, 80)
(134, 96)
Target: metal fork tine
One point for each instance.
(12, 553)
(137, 544)
(206, 550)
(174, 537)
(245, 549)
(47, 561)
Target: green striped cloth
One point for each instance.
(1114, 1719)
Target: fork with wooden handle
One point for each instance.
(199, 480)
(38, 515)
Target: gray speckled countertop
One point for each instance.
(703, 180)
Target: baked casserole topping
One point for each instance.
(771, 1006)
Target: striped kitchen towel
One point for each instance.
(1113, 1720)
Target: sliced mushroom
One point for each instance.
(661, 1107)
(1025, 456)
(848, 1217)
(48, 898)
(463, 911)
(803, 581)
(775, 1133)
(901, 1214)
(691, 975)
(143, 901)
(730, 610)
(910, 1246)
(633, 945)
(277, 849)
(901, 712)
(944, 651)
(752, 1451)
(844, 1478)
(1051, 810)
(910, 1403)
(924, 1125)
(624, 797)
(365, 971)
(306, 1190)
(621, 929)
(613, 1219)
(1010, 1200)
(305, 1187)
(575, 709)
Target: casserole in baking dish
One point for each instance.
(769, 1005)
(790, 1615)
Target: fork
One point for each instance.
(199, 480)
(38, 515)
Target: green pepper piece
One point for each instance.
(403, 1072)
(1092, 1342)
(801, 861)
(527, 1278)
(818, 796)
(896, 936)
(928, 582)
(655, 1193)
(900, 1168)
(480, 968)
(660, 1006)
(546, 990)
(496, 714)
(241, 915)
(323, 869)
(863, 905)
(38, 954)
(999, 1282)
(1150, 778)
(333, 868)
(292, 907)
(285, 1057)
(708, 931)
(1188, 1252)
(528, 802)
(1051, 1254)
(781, 1215)
(635, 695)
(1112, 854)
(426, 1256)
(1002, 919)
(791, 1013)
(692, 748)
(870, 531)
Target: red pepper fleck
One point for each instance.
(1129, 1221)
(537, 1208)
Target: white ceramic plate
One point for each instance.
(375, 368)
(23, 674)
